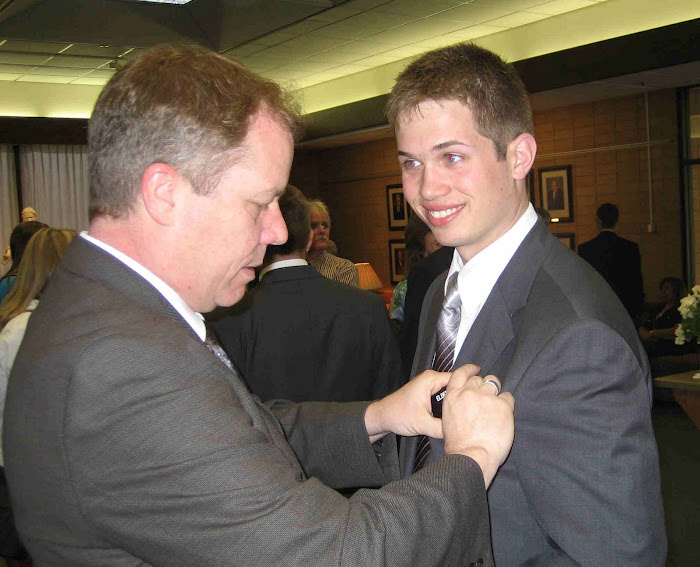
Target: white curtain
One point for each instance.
(9, 215)
(55, 182)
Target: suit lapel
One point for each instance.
(490, 334)
(495, 327)
(87, 260)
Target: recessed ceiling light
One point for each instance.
(161, 1)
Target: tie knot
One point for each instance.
(452, 299)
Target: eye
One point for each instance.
(453, 158)
(410, 163)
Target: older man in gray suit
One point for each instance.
(128, 442)
(581, 485)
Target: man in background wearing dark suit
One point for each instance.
(129, 439)
(303, 337)
(616, 259)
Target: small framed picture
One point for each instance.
(397, 260)
(567, 239)
(556, 192)
(398, 209)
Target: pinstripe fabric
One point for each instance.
(445, 340)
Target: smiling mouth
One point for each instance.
(444, 213)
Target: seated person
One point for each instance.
(303, 337)
(658, 332)
(318, 256)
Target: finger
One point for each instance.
(467, 370)
(432, 427)
(509, 399)
(492, 382)
(438, 380)
(462, 375)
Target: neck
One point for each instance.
(294, 255)
(313, 254)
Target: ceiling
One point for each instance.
(334, 53)
(308, 42)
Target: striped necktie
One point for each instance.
(214, 346)
(445, 342)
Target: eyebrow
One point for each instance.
(439, 147)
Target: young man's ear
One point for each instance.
(311, 239)
(159, 184)
(522, 152)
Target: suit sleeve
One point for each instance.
(418, 283)
(637, 282)
(585, 451)
(168, 463)
(386, 355)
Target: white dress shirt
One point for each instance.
(478, 276)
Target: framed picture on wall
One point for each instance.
(557, 192)
(397, 207)
(397, 260)
(567, 239)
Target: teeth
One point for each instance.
(443, 214)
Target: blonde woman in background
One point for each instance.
(41, 257)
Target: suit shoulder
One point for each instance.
(567, 279)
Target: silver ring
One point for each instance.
(494, 384)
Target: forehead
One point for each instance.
(266, 153)
(318, 214)
(430, 108)
(436, 122)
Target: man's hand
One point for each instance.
(477, 421)
(407, 411)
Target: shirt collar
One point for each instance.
(283, 264)
(194, 319)
(488, 264)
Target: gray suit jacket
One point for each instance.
(581, 484)
(127, 442)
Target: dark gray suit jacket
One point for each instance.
(581, 485)
(302, 337)
(127, 442)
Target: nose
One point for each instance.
(274, 228)
(432, 184)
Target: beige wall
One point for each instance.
(352, 180)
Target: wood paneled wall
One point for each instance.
(352, 180)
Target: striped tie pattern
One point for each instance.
(214, 346)
(445, 342)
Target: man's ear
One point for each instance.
(159, 183)
(522, 152)
(311, 239)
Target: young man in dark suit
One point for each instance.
(130, 440)
(581, 484)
